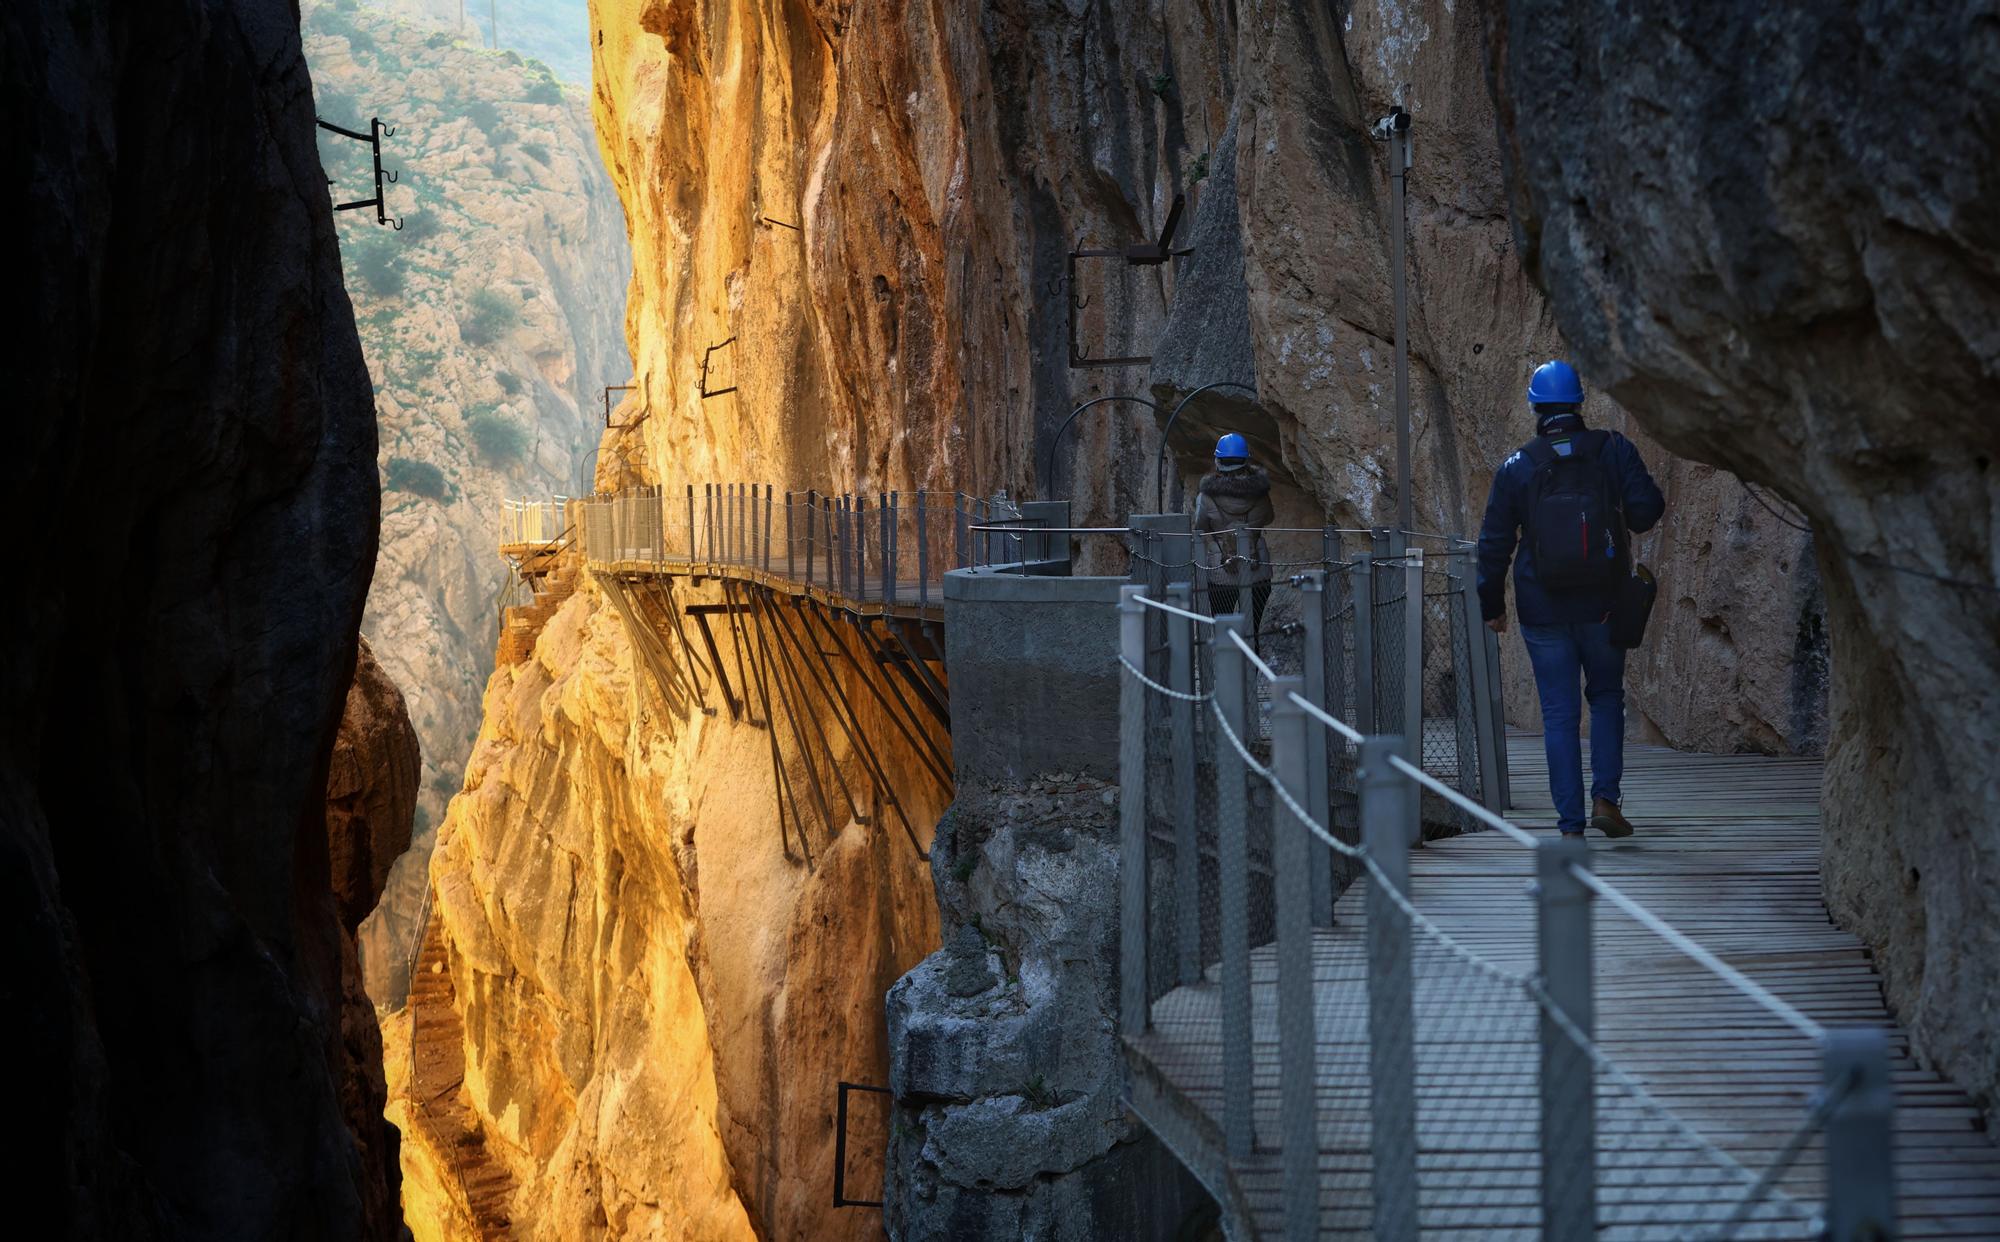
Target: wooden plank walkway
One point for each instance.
(1727, 850)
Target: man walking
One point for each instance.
(1571, 496)
(1235, 496)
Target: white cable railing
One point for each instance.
(1432, 1033)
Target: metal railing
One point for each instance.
(1402, 1077)
(1361, 615)
(532, 521)
(878, 551)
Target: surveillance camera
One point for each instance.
(1395, 121)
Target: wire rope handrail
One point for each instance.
(1174, 611)
(1693, 950)
(1521, 836)
(1500, 823)
(1256, 661)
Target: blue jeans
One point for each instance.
(1559, 654)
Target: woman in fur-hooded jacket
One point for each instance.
(1232, 498)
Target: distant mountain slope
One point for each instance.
(491, 321)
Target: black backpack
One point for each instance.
(1575, 521)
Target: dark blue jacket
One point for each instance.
(1507, 506)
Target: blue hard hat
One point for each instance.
(1555, 383)
(1231, 445)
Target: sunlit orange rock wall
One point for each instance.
(856, 217)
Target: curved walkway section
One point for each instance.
(1502, 1033)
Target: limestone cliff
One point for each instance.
(491, 323)
(371, 801)
(855, 215)
(195, 442)
(1771, 234)
(657, 994)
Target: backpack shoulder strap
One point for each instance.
(1539, 452)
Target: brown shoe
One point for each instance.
(1608, 819)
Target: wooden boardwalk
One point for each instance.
(1727, 850)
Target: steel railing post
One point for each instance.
(1568, 1091)
(923, 553)
(1318, 794)
(1232, 849)
(1365, 665)
(812, 532)
(885, 514)
(1292, 863)
(1392, 1031)
(1132, 1007)
(1484, 709)
(1412, 722)
(1187, 857)
(1860, 1144)
(958, 549)
(767, 528)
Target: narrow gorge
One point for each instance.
(389, 860)
(854, 218)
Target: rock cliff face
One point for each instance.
(197, 447)
(1005, 1061)
(1771, 236)
(491, 323)
(657, 992)
(371, 801)
(855, 216)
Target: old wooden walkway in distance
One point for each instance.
(1727, 850)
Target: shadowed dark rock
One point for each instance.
(195, 492)
(1773, 234)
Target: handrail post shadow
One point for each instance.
(1132, 1007)
(1568, 1087)
(1392, 1030)
(1860, 1136)
(1291, 865)
(1232, 876)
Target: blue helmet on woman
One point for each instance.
(1232, 449)
(1555, 383)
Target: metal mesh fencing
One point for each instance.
(1472, 1086)
(1475, 1056)
(1675, 1152)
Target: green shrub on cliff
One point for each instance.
(419, 478)
(484, 114)
(501, 440)
(377, 258)
(489, 316)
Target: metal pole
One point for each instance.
(1860, 1154)
(1399, 167)
(1232, 848)
(1317, 797)
(923, 554)
(1392, 1030)
(1492, 756)
(1568, 1092)
(1291, 862)
(812, 498)
(1413, 679)
(1362, 580)
(1495, 695)
(1132, 1007)
(1187, 858)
